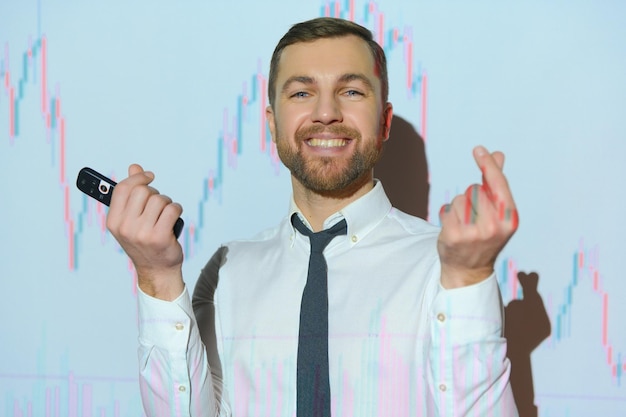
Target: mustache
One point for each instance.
(337, 130)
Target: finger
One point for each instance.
(138, 200)
(499, 158)
(449, 217)
(472, 214)
(444, 209)
(168, 217)
(464, 208)
(493, 177)
(134, 169)
(445, 212)
(487, 211)
(476, 208)
(154, 207)
(137, 175)
(123, 190)
(144, 226)
(453, 218)
(471, 204)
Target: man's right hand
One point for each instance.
(141, 220)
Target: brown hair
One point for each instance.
(327, 27)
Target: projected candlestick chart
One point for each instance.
(70, 101)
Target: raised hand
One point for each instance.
(476, 225)
(141, 220)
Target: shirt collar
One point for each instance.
(361, 215)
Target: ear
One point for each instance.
(386, 119)
(271, 122)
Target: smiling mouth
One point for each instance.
(327, 143)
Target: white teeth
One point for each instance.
(326, 143)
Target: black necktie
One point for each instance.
(313, 386)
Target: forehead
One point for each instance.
(327, 58)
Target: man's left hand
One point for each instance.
(476, 225)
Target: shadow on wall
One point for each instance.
(526, 325)
(403, 169)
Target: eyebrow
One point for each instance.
(302, 79)
(345, 78)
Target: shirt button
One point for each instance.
(182, 388)
(179, 326)
(354, 238)
(442, 387)
(441, 317)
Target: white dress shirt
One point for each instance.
(399, 344)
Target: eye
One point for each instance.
(300, 94)
(353, 93)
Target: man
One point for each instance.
(414, 320)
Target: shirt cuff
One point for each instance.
(165, 324)
(470, 314)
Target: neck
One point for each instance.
(317, 207)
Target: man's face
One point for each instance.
(328, 121)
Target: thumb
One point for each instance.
(134, 169)
(137, 169)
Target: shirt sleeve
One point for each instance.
(174, 373)
(467, 368)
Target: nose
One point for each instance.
(327, 109)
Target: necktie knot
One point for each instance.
(319, 240)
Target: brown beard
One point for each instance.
(324, 175)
